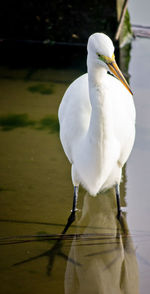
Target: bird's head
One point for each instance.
(101, 53)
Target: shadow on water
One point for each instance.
(42, 89)
(101, 256)
(13, 121)
(50, 123)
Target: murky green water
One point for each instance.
(97, 254)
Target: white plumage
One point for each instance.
(97, 120)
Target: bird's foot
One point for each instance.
(121, 211)
(119, 215)
(70, 220)
(72, 216)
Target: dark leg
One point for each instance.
(118, 201)
(71, 218)
(75, 198)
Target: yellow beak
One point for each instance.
(117, 72)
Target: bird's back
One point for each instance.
(74, 114)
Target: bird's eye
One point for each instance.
(101, 57)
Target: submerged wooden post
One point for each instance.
(121, 16)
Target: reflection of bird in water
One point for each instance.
(97, 121)
(106, 262)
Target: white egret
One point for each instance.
(97, 121)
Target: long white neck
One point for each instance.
(100, 122)
(99, 136)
